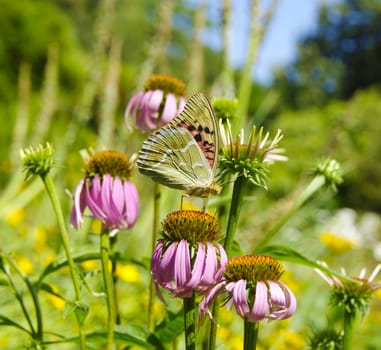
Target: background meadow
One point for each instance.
(67, 71)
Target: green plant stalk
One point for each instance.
(239, 191)
(213, 327)
(155, 229)
(316, 183)
(115, 278)
(57, 265)
(223, 207)
(109, 288)
(349, 320)
(250, 335)
(47, 180)
(190, 323)
(39, 334)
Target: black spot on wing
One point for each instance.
(197, 137)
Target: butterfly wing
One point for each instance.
(171, 157)
(199, 119)
(183, 153)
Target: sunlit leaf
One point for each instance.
(288, 254)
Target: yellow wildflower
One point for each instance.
(128, 273)
(336, 243)
(15, 217)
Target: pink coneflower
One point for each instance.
(251, 284)
(106, 192)
(161, 101)
(188, 258)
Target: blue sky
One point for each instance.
(291, 21)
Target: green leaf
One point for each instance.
(137, 335)
(5, 321)
(287, 254)
(59, 264)
(4, 265)
(131, 334)
(80, 309)
(49, 289)
(171, 327)
(2, 262)
(235, 249)
(4, 282)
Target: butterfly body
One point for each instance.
(183, 153)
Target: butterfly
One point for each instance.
(183, 154)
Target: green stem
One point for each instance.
(316, 183)
(37, 306)
(109, 288)
(250, 335)
(213, 327)
(47, 180)
(349, 319)
(190, 323)
(155, 229)
(239, 191)
(223, 207)
(39, 334)
(115, 279)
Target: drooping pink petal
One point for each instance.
(278, 304)
(131, 199)
(169, 110)
(118, 203)
(182, 265)
(211, 264)
(92, 198)
(133, 107)
(156, 259)
(181, 104)
(79, 206)
(261, 304)
(155, 268)
(223, 261)
(166, 266)
(198, 267)
(146, 117)
(118, 194)
(155, 100)
(239, 296)
(290, 301)
(208, 299)
(108, 205)
(149, 112)
(276, 294)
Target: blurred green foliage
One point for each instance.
(341, 56)
(27, 29)
(329, 98)
(349, 131)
